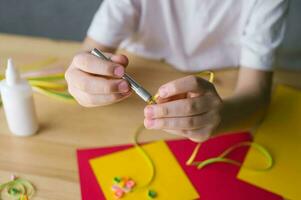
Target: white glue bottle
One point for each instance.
(18, 104)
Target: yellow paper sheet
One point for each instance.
(281, 134)
(170, 181)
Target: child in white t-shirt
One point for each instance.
(191, 35)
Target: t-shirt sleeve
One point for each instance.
(263, 33)
(114, 21)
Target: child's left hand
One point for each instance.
(188, 106)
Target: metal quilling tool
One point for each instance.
(140, 91)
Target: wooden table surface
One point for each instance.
(48, 159)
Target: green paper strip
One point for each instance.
(63, 96)
(17, 188)
(223, 159)
(53, 77)
(48, 85)
(148, 159)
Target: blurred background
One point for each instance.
(70, 19)
(57, 19)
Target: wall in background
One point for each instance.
(290, 51)
(59, 19)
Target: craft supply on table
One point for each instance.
(122, 185)
(17, 189)
(280, 132)
(213, 177)
(20, 111)
(132, 164)
(223, 157)
(18, 103)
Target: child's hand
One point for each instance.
(189, 107)
(96, 82)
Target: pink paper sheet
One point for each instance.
(214, 182)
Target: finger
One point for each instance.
(203, 136)
(120, 59)
(160, 100)
(94, 65)
(183, 123)
(92, 100)
(95, 84)
(184, 85)
(182, 107)
(199, 135)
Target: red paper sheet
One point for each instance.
(214, 182)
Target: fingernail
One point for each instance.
(119, 71)
(149, 111)
(163, 92)
(125, 93)
(123, 86)
(149, 123)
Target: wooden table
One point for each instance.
(48, 159)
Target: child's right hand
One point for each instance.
(96, 82)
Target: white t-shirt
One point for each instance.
(194, 35)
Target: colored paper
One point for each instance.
(132, 164)
(218, 181)
(281, 134)
(217, 177)
(88, 183)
